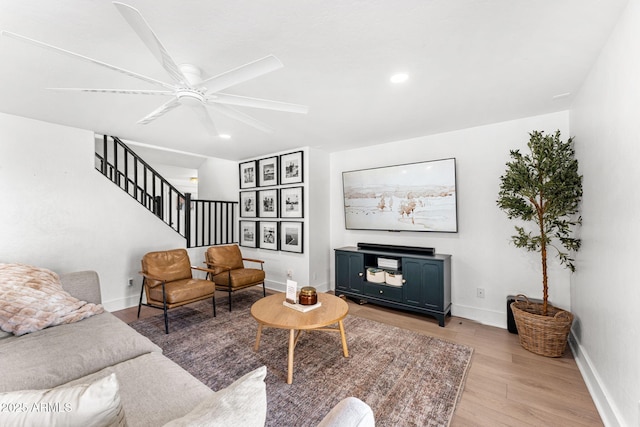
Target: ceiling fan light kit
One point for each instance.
(188, 89)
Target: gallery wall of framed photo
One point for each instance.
(272, 203)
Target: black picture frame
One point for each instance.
(292, 202)
(268, 203)
(268, 171)
(291, 168)
(248, 204)
(248, 234)
(248, 175)
(268, 235)
(292, 236)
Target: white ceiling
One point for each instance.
(470, 62)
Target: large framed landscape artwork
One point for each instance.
(409, 197)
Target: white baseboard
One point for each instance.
(485, 317)
(607, 410)
(121, 303)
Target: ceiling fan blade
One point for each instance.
(241, 74)
(149, 38)
(163, 109)
(224, 98)
(237, 115)
(85, 58)
(119, 91)
(205, 119)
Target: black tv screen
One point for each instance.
(409, 197)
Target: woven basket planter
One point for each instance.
(543, 335)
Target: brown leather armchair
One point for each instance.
(229, 272)
(168, 282)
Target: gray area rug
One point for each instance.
(407, 378)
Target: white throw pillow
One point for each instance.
(85, 405)
(243, 403)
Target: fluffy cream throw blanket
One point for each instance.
(32, 298)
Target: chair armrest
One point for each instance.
(206, 270)
(253, 260)
(148, 276)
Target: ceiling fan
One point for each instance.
(188, 87)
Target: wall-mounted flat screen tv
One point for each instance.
(410, 197)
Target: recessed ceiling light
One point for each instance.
(225, 136)
(399, 78)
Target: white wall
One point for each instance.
(218, 180)
(604, 291)
(58, 212)
(482, 255)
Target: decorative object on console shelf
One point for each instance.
(393, 278)
(409, 197)
(291, 168)
(248, 234)
(291, 236)
(543, 188)
(375, 275)
(248, 176)
(268, 171)
(388, 263)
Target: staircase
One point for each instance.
(200, 222)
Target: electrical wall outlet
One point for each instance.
(130, 281)
(480, 292)
(290, 273)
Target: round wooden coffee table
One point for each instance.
(270, 311)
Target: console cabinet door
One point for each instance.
(349, 271)
(423, 283)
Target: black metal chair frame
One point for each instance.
(229, 288)
(162, 281)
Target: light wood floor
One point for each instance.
(506, 385)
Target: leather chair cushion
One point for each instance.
(240, 278)
(169, 265)
(226, 255)
(182, 290)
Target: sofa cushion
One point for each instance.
(243, 403)
(154, 390)
(32, 299)
(95, 404)
(54, 356)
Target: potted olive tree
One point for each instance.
(543, 189)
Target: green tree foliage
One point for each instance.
(545, 189)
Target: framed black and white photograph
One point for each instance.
(268, 235)
(268, 171)
(248, 204)
(248, 174)
(291, 168)
(268, 203)
(291, 236)
(291, 202)
(248, 234)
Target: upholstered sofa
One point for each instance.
(101, 364)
